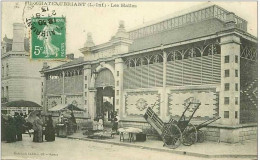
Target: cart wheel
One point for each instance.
(189, 135)
(201, 136)
(171, 135)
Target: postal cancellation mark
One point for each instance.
(48, 38)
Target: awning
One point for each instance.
(21, 103)
(71, 107)
(58, 107)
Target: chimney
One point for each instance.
(70, 56)
(18, 37)
(45, 65)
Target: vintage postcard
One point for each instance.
(129, 80)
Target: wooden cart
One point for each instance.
(182, 131)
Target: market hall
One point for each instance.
(205, 53)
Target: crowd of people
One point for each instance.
(38, 126)
(12, 128)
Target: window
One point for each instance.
(86, 85)
(226, 114)
(85, 102)
(117, 83)
(7, 94)
(226, 100)
(117, 101)
(236, 59)
(226, 59)
(7, 70)
(117, 92)
(2, 93)
(86, 77)
(3, 70)
(236, 87)
(227, 73)
(86, 94)
(42, 83)
(226, 86)
(236, 114)
(236, 100)
(117, 73)
(236, 73)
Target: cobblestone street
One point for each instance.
(67, 149)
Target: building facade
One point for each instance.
(20, 76)
(206, 54)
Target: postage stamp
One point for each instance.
(48, 38)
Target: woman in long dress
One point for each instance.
(49, 130)
(37, 127)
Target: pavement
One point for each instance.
(74, 149)
(247, 149)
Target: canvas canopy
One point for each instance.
(21, 103)
(60, 107)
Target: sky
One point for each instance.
(103, 22)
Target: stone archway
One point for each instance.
(103, 79)
(102, 66)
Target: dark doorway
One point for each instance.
(105, 102)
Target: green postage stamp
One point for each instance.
(48, 38)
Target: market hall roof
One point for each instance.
(76, 61)
(203, 21)
(199, 23)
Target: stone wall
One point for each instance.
(207, 97)
(54, 100)
(22, 77)
(137, 102)
(249, 133)
(212, 133)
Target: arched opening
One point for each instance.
(105, 95)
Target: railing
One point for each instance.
(241, 23)
(189, 18)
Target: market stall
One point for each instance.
(66, 123)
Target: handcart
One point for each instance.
(193, 133)
(172, 132)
